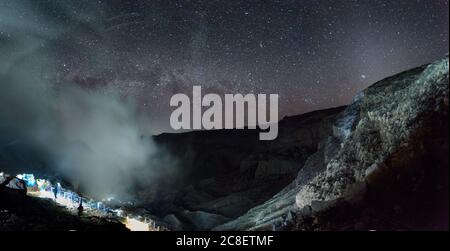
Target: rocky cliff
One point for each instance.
(225, 173)
(384, 166)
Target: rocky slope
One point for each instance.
(385, 166)
(225, 173)
(379, 163)
(19, 212)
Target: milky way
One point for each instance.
(314, 54)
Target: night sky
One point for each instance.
(314, 54)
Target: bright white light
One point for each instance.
(43, 188)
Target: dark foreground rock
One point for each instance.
(19, 212)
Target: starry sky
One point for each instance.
(315, 54)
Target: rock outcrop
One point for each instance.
(385, 165)
(12, 182)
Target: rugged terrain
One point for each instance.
(385, 166)
(379, 163)
(19, 212)
(225, 173)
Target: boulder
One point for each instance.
(14, 183)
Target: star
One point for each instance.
(149, 50)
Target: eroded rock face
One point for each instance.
(386, 161)
(392, 114)
(226, 173)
